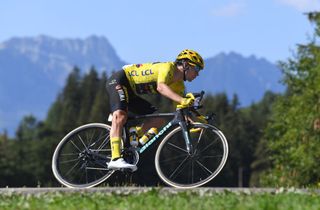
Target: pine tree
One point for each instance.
(54, 114)
(70, 102)
(27, 128)
(100, 108)
(89, 87)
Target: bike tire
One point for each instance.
(78, 166)
(177, 168)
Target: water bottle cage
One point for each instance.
(133, 138)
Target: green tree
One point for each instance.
(4, 137)
(70, 102)
(292, 139)
(27, 128)
(88, 87)
(257, 117)
(100, 106)
(54, 114)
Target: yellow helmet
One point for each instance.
(193, 57)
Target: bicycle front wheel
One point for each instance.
(182, 169)
(80, 159)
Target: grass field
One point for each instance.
(156, 200)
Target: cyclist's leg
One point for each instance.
(118, 99)
(117, 162)
(140, 106)
(119, 118)
(118, 105)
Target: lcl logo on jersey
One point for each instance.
(143, 72)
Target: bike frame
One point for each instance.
(178, 119)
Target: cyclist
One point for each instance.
(125, 86)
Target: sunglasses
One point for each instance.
(197, 68)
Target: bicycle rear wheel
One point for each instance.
(80, 159)
(177, 168)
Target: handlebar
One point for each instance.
(197, 105)
(198, 99)
(199, 95)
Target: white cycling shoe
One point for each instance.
(121, 164)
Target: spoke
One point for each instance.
(173, 173)
(92, 144)
(202, 131)
(69, 154)
(214, 141)
(94, 131)
(75, 146)
(174, 158)
(211, 156)
(99, 169)
(85, 146)
(101, 136)
(104, 142)
(100, 150)
(69, 161)
(71, 169)
(106, 136)
(179, 148)
(205, 168)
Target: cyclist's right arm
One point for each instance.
(166, 91)
(165, 77)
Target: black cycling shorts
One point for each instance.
(122, 97)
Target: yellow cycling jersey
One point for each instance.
(143, 78)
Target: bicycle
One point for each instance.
(183, 159)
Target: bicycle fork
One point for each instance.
(186, 136)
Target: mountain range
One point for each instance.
(33, 71)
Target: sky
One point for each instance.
(146, 30)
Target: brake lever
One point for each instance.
(210, 118)
(201, 95)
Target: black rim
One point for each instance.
(182, 168)
(82, 158)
